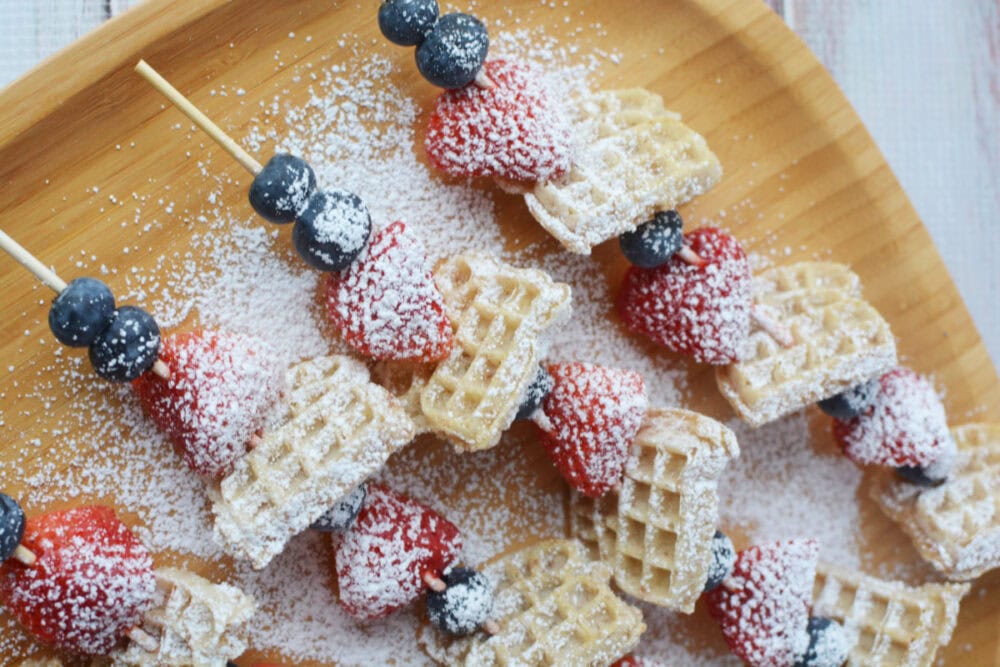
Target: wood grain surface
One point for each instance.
(817, 181)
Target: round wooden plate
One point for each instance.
(795, 153)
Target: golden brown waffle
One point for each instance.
(955, 526)
(656, 533)
(194, 622)
(500, 314)
(632, 158)
(888, 623)
(340, 429)
(553, 606)
(840, 341)
(40, 662)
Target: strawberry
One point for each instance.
(382, 558)
(702, 311)
(593, 413)
(510, 131)
(905, 425)
(222, 390)
(629, 661)
(90, 585)
(386, 305)
(763, 608)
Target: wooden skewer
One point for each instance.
(436, 584)
(542, 420)
(483, 79)
(200, 119)
(25, 555)
(147, 641)
(688, 254)
(491, 627)
(49, 278)
(730, 584)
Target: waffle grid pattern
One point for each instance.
(840, 341)
(956, 526)
(340, 429)
(890, 624)
(499, 314)
(655, 533)
(196, 624)
(634, 158)
(554, 608)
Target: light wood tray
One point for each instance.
(788, 139)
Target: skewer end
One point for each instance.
(25, 555)
(161, 370)
(491, 627)
(144, 639)
(434, 583)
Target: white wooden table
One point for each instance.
(923, 74)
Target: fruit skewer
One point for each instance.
(124, 342)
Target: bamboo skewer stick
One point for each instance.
(25, 555)
(200, 119)
(49, 278)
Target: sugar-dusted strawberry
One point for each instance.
(763, 608)
(905, 425)
(382, 558)
(223, 388)
(512, 130)
(90, 585)
(386, 305)
(700, 310)
(593, 415)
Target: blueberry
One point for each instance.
(343, 514)
(920, 476)
(536, 393)
(828, 644)
(852, 402)
(11, 526)
(454, 51)
(332, 230)
(281, 190)
(653, 243)
(464, 605)
(723, 560)
(81, 311)
(407, 22)
(128, 347)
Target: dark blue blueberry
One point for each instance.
(81, 311)
(128, 347)
(653, 243)
(536, 393)
(343, 514)
(332, 230)
(828, 644)
(920, 476)
(407, 22)
(464, 605)
(454, 51)
(851, 403)
(723, 560)
(281, 190)
(11, 526)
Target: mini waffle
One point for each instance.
(195, 623)
(656, 533)
(888, 623)
(632, 159)
(500, 314)
(955, 526)
(340, 429)
(553, 606)
(840, 341)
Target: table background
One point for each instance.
(924, 76)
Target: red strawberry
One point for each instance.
(703, 311)
(221, 391)
(629, 661)
(510, 131)
(594, 413)
(763, 608)
(382, 559)
(906, 425)
(90, 585)
(386, 305)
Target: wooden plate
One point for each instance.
(799, 166)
